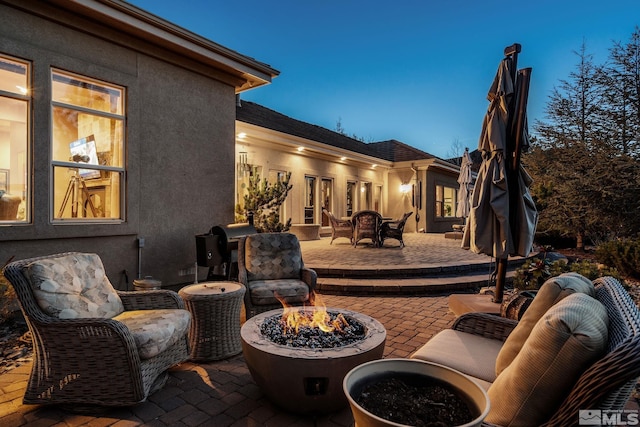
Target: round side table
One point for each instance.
(215, 308)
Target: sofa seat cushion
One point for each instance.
(273, 256)
(74, 286)
(267, 292)
(155, 330)
(570, 337)
(550, 293)
(470, 354)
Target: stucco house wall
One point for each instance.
(276, 151)
(180, 139)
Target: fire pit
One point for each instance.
(303, 373)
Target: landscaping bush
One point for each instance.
(536, 271)
(8, 300)
(623, 255)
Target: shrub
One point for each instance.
(623, 255)
(8, 299)
(536, 271)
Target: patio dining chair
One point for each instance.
(339, 227)
(366, 225)
(394, 229)
(94, 345)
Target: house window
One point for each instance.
(15, 158)
(309, 198)
(365, 195)
(87, 148)
(445, 201)
(351, 191)
(327, 192)
(377, 198)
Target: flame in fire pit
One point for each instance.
(294, 318)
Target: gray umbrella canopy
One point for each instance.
(464, 180)
(497, 227)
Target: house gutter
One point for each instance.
(131, 20)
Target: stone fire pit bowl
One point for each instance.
(306, 380)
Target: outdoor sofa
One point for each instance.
(574, 352)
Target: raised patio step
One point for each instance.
(406, 286)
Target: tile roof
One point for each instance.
(392, 150)
(396, 151)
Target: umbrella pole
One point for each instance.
(501, 277)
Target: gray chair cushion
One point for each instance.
(267, 292)
(155, 330)
(74, 286)
(271, 256)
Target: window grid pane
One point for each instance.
(15, 156)
(87, 149)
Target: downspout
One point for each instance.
(417, 197)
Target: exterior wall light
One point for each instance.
(242, 135)
(405, 188)
(300, 148)
(343, 158)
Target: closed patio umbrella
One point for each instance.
(503, 217)
(464, 180)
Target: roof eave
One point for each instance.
(150, 28)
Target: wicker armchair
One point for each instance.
(394, 229)
(605, 385)
(9, 206)
(366, 225)
(271, 268)
(339, 227)
(100, 359)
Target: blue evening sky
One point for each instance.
(413, 70)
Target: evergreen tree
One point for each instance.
(263, 201)
(564, 159)
(586, 180)
(620, 81)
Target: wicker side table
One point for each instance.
(215, 308)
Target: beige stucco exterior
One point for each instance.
(277, 151)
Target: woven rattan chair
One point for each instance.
(607, 384)
(339, 227)
(271, 268)
(81, 362)
(394, 229)
(9, 207)
(366, 225)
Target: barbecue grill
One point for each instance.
(218, 250)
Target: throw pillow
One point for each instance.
(552, 291)
(570, 337)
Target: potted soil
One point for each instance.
(410, 392)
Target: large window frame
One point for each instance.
(15, 140)
(88, 146)
(446, 197)
(326, 194)
(309, 199)
(350, 198)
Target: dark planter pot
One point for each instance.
(473, 392)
